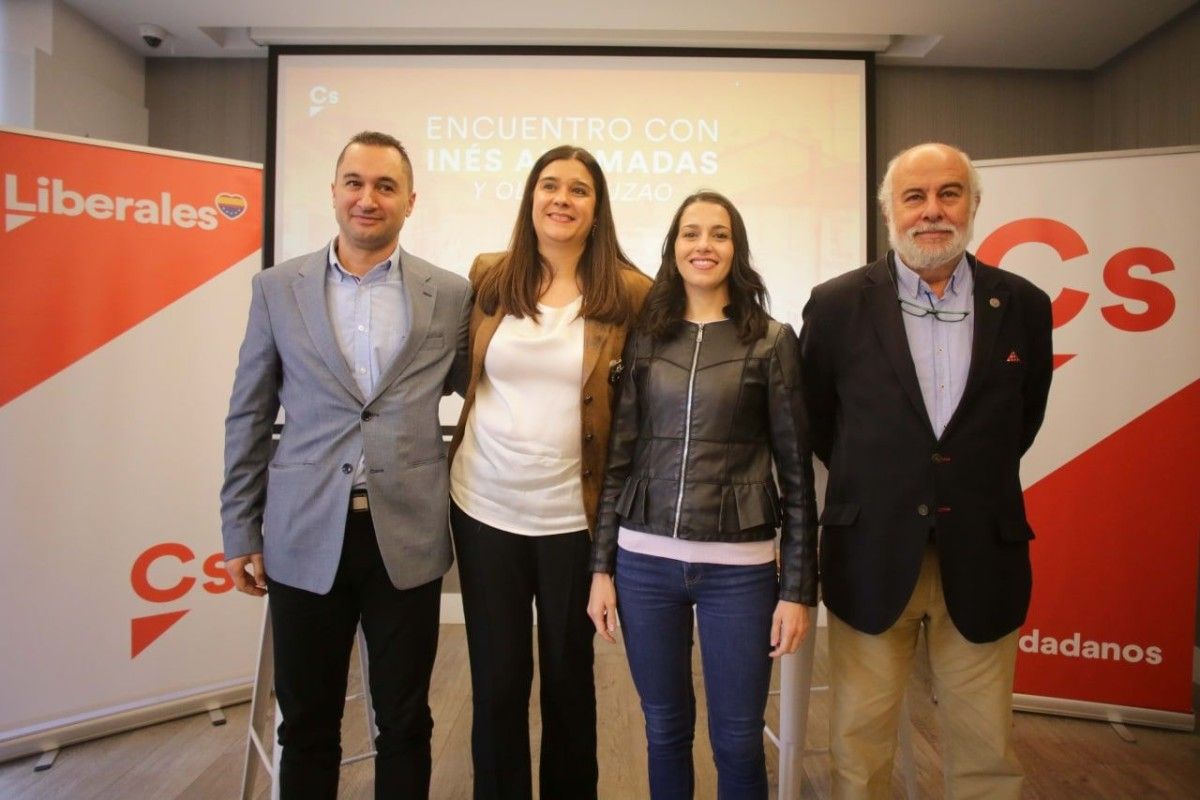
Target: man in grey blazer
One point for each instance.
(347, 521)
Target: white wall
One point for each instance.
(25, 28)
(89, 84)
(62, 73)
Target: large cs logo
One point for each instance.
(1118, 274)
(171, 558)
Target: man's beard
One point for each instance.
(923, 257)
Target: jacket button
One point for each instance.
(347, 469)
(366, 415)
(587, 473)
(587, 398)
(587, 437)
(923, 510)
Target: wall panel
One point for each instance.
(1149, 96)
(988, 113)
(211, 106)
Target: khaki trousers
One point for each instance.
(972, 683)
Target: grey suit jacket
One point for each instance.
(292, 507)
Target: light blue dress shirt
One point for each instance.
(941, 351)
(371, 321)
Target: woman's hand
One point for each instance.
(788, 626)
(602, 605)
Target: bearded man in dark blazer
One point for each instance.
(926, 375)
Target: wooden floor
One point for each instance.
(190, 758)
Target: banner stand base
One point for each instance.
(61, 733)
(1104, 712)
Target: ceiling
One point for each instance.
(1017, 34)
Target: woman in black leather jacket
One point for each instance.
(709, 400)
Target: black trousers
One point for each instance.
(314, 635)
(503, 575)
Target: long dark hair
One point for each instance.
(513, 286)
(667, 301)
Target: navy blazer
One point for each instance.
(894, 485)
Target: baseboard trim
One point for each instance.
(60, 733)
(1105, 712)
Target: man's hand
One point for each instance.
(788, 627)
(248, 574)
(602, 605)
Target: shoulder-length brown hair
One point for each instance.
(666, 303)
(514, 285)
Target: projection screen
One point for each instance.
(784, 135)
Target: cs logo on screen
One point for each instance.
(320, 98)
(164, 573)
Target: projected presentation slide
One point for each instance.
(784, 138)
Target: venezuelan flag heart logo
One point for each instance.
(231, 205)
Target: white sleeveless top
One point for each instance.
(518, 466)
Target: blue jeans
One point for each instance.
(733, 605)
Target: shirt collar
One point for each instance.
(910, 284)
(380, 272)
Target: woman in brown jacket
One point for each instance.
(527, 462)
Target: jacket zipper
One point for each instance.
(687, 428)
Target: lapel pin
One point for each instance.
(1013, 358)
(615, 370)
(994, 302)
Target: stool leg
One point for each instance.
(795, 689)
(365, 666)
(276, 755)
(260, 702)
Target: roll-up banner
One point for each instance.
(1111, 483)
(126, 277)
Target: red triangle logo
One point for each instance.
(1062, 358)
(144, 630)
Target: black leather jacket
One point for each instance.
(699, 420)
